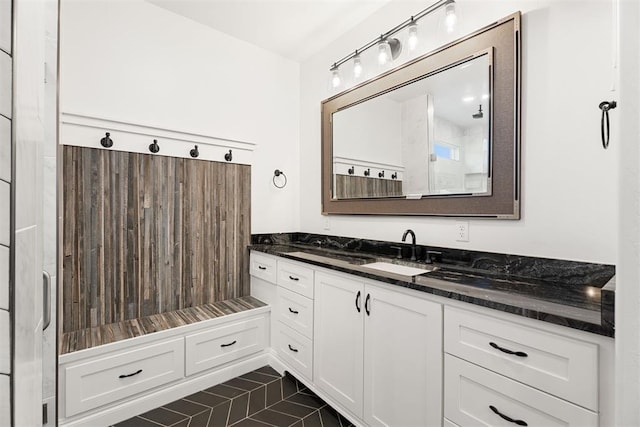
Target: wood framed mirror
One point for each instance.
(439, 135)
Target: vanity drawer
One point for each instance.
(107, 379)
(295, 349)
(296, 278)
(471, 392)
(214, 347)
(263, 267)
(562, 366)
(295, 311)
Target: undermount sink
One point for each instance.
(397, 268)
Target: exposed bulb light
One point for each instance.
(335, 77)
(412, 35)
(468, 99)
(357, 66)
(485, 96)
(450, 17)
(384, 52)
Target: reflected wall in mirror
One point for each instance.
(424, 138)
(439, 135)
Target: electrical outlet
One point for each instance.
(327, 224)
(462, 231)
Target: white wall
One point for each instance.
(628, 268)
(135, 62)
(569, 183)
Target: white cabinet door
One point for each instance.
(403, 360)
(338, 339)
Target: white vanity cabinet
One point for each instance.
(378, 352)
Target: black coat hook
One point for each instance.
(394, 175)
(154, 148)
(106, 141)
(605, 106)
(194, 152)
(381, 174)
(351, 170)
(367, 172)
(229, 156)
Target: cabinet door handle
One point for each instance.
(295, 279)
(507, 418)
(261, 267)
(506, 350)
(358, 302)
(292, 310)
(295, 350)
(366, 305)
(139, 371)
(229, 345)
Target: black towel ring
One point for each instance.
(605, 106)
(276, 174)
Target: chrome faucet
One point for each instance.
(413, 242)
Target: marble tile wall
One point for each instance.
(5, 208)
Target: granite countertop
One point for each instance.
(568, 293)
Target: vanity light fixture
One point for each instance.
(389, 48)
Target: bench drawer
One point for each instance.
(104, 380)
(214, 347)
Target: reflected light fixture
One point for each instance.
(450, 17)
(357, 66)
(412, 35)
(388, 47)
(335, 76)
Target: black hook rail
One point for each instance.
(605, 106)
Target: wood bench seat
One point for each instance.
(113, 332)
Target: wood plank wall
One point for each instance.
(355, 187)
(148, 234)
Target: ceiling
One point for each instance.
(295, 29)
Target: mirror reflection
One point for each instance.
(427, 138)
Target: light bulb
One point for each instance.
(412, 37)
(384, 52)
(450, 17)
(335, 77)
(357, 66)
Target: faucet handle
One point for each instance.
(433, 256)
(399, 249)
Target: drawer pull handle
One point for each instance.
(358, 302)
(139, 371)
(261, 267)
(295, 279)
(292, 310)
(506, 350)
(506, 418)
(295, 350)
(228, 345)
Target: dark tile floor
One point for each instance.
(257, 399)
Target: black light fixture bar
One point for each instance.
(437, 5)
